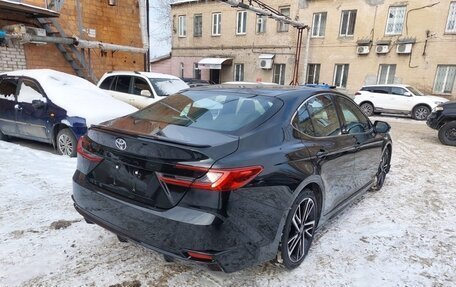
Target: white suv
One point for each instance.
(396, 99)
(140, 89)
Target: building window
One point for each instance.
(319, 24)
(386, 74)
(239, 72)
(313, 74)
(340, 75)
(444, 79)
(216, 24)
(279, 74)
(241, 23)
(196, 71)
(181, 68)
(281, 26)
(197, 25)
(261, 24)
(395, 21)
(347, 23)
(182, 29)
(451, 23)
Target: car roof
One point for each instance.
(385, 85)
(283, 92)
(146, 74)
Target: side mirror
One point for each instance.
(381, 127)
(38, 104)
(146, 93)
(408, 94)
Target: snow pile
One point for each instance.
(77, 96)
(403, 235)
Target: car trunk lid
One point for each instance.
(136, 154)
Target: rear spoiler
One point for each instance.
(147, 137)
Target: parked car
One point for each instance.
(191, 82)
(230, 177)
(443, 118)
(53, 107)
(140, 89)
(396, 99)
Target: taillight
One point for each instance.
(357, 93)
(213, 179)
(200, 256)
(84, 150)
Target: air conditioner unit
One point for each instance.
(404, 48)
(36, 32)
(362, 50)
(266, 63)
(382, 49)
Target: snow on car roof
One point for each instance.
(146, 74)
(77, 96)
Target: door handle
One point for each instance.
(321, 153)
(17, 107)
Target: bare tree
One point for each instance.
(160, 20)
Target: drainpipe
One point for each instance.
(306, 56)
(143, 26)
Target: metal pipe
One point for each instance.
(265, 13)
(306, 56)
(79, 43)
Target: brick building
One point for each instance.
(93, 21)
(351, 43)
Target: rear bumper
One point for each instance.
(236, 241)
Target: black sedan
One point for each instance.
(230, 177)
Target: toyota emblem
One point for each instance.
(121, 143)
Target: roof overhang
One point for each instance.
(266, 56)
(213, 63)
(26, 9)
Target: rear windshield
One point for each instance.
(165, 87)
(210, 110)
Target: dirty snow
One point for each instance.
(77, 96)
(404, 235)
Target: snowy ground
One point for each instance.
(404, 235)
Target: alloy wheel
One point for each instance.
(302, 230)
(367, 109)
(450, 134)
(383, 169)
(421, 113)
(65, 145)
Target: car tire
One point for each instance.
(383, 169)
(367, 108)
(66, 143)
(299, 229)
(447, 133)
(421, 112)
(3, 137)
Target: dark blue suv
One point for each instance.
(52, 107)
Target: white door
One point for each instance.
(120, 90)
(399, 101)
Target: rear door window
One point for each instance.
(123, 84)
(323, 116)
(8, 89)
(380, 90)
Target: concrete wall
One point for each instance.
(424, 23)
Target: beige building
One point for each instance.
(352, 43)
